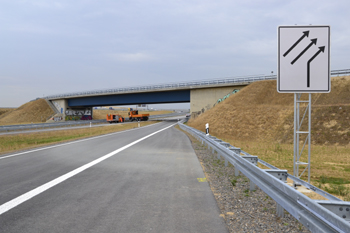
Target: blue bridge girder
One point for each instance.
(160, 97)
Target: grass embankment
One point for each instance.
(11, 143)
(260, 121)
(32, 112)
(5, 110)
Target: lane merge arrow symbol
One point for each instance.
(304, 59)
(321, 49)
(306, 34)
(313, 41)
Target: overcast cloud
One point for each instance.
(51, 47)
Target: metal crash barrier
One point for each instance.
(332, 215)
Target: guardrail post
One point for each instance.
(236, 171)
(279, 210)
(226, 162)
(252, 186)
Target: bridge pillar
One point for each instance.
(72, 113)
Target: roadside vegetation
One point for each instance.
(11, 143)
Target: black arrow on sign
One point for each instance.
(306, 34)
(313, 41)
(321, 49)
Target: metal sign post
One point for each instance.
(298, 123)
(303, 67)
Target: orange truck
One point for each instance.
(111, 118)
(135, 116)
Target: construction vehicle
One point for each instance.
(135, 116)
(111, 118)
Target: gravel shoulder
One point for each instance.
(242, 210)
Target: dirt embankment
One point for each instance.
(34, 111)
(4, 111)
(258, 112)
(39, 111)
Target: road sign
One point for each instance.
(303, 59)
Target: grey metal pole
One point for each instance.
(295, 135)
(309, 149)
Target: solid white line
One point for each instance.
(68, 143)
(25, 197)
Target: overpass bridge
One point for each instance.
(200, 94)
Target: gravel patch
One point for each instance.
(242, 210)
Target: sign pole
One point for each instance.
(295, 137)
(303, 67)
(298, 123)
(309, 156)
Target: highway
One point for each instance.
(140, 180)
(66, 125)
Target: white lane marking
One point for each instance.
(68, 143)
(25, 197)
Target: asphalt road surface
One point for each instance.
(141, 180)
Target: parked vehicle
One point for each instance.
(135, 116)
(111, 118)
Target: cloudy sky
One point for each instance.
(51, 47)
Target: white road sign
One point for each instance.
(303, 59)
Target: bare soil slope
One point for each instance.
(258, 112)
(34, 111)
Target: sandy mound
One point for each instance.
(34, 111)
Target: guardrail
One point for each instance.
(332, 215)
(8, 128)
(338, 72)
(181, 85)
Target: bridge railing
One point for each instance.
(203, 83)
(332, 215)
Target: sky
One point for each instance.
(54, 47)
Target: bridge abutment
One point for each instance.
(205, 98)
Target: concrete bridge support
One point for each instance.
(72, 113)
(204, 98)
